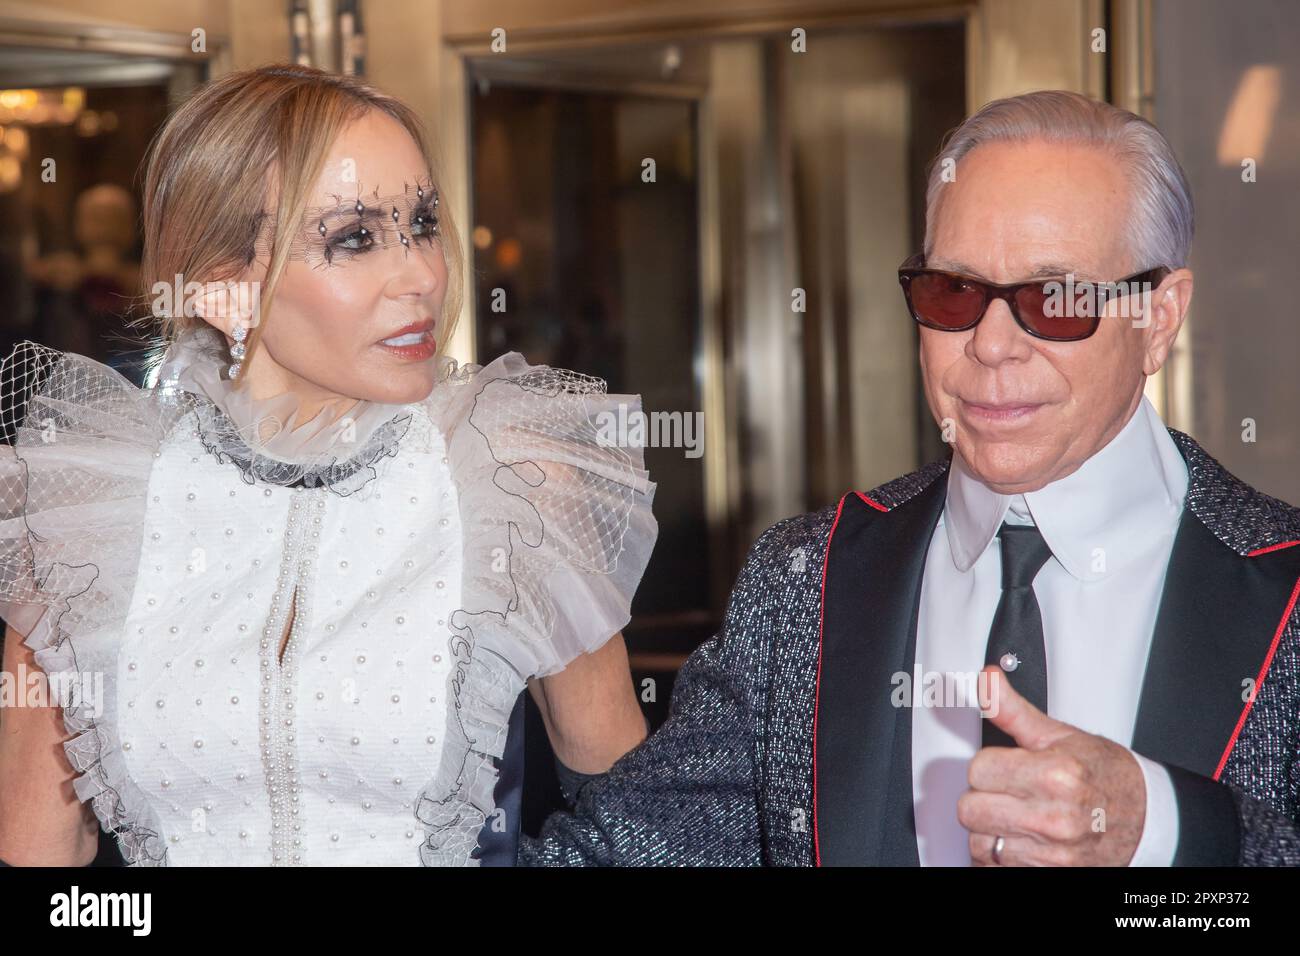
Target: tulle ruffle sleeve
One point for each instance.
(81, 441)
(556, 510)
(557, 531)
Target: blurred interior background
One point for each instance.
(703, 202)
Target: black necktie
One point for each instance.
(1016, 638)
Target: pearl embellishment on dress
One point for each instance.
(279, 751)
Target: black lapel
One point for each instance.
(1216, 629)
(870, 588)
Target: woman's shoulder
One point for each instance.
(520, 410)
(461, 385)
(80, 443)
(541, 424)
(49, 396)
(555, 507)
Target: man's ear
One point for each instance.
(1165, 315)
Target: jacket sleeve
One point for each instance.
(1219, 824)
(1268, 837)
(689, 794)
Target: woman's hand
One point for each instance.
(591, 710)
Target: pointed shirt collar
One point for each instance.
(1097, 519)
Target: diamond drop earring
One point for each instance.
(238, 350)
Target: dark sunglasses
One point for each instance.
(952, 302)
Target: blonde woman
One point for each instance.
(285, 600)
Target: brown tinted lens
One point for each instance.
(1047, 310)
(945, 302)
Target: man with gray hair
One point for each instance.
(1075, 642)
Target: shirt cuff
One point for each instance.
(1159, 839)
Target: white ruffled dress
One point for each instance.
(435, 556)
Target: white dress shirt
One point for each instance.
(1110, 526)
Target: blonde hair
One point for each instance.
(206, 180)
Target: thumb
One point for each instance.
(1016, 716)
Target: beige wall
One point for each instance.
(166, 16)
(1014, 46)
(259, 33)
(470, 21)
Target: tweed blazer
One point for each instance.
(782, 748)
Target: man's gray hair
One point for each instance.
(1162, 220)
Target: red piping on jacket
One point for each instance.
(821, 629)
(1272, 547)
(1263, 671)
(879, 507)
(1232, 742)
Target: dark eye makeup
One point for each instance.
(353, 225)
(371, 228)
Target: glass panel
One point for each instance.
(865, 116)
(581, 263)
(1227, 97)
(70, 153)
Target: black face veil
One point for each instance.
(351, 226)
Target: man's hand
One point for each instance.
(1062, 798)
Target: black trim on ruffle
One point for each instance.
(219, 435)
